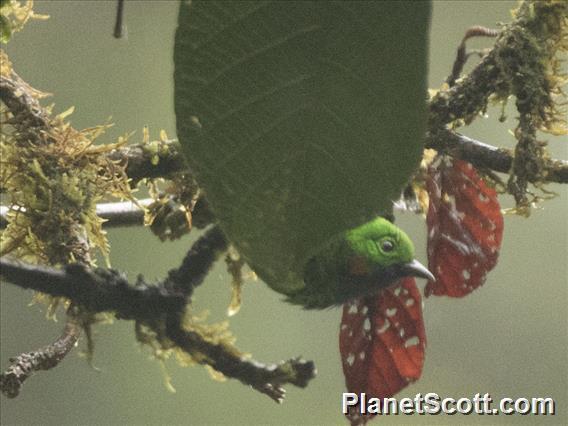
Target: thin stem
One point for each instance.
(119, 27)
(462, 56)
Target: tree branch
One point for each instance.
(197, 262)
(21, 100)
(462, 55)
(524, 63)
(34, 127)
(164, 160)
(478, 153)
(126, 213)
(485, 156)
(98, 289)
(266, 379)
(101, 290)
(46, 358)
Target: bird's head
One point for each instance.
(380, 243)
(358, 263)
(380, 253)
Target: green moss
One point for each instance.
(525, 63)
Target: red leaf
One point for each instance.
(465, 228)
(382, 342)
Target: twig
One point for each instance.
(462, 55)
(46, 358)
(119, 27)
(126, 213)
(266, 379)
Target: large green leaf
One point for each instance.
(300, 119)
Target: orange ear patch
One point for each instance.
(358, 265)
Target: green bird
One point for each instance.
(358, 263)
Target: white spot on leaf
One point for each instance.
(384, 327)
(390, 312)
(411, 341)
(350, 359)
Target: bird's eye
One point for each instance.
(387, 246)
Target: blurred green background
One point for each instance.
(510, 338)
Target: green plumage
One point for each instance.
(359, 262)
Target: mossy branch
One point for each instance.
(525, 62)
(55, 232)
(160, 306)
(22, 101)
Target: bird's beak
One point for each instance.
(417, 269)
